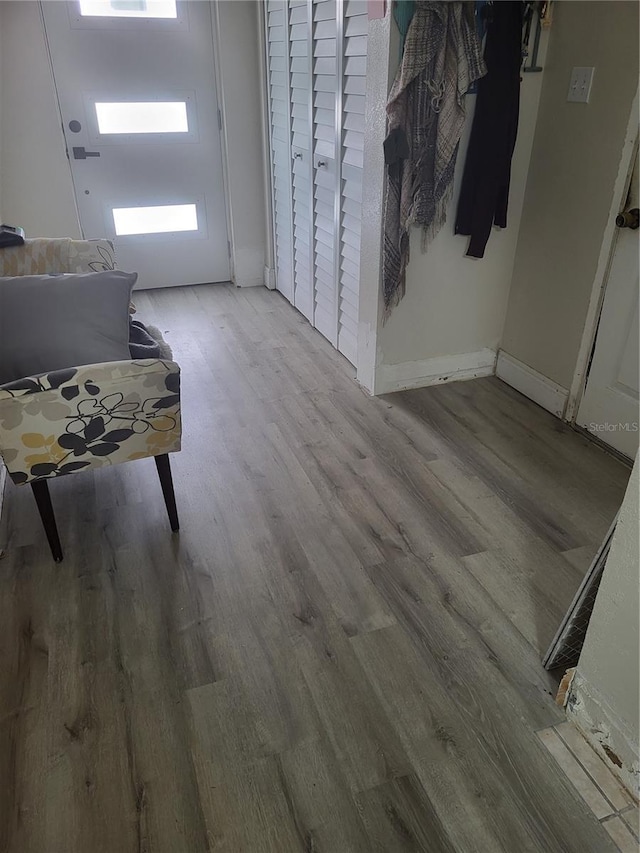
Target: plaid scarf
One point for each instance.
(425, 111)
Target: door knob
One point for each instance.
(629, 219)
(297, 156)
(321, 163)
(80, 153)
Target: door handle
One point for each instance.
(80, 153)
(321, 163)
(629, 219)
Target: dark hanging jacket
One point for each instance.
(485, 184)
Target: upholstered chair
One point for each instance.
(85, 417)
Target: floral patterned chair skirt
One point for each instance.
(90, 416)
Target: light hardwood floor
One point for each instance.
(340, 651)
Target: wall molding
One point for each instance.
(248, 267)
(607, 249)
(434, 371)
(269, 279)
(542, 390)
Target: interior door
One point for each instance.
(316, 54)
(136, 87)
(354, 71)
(301, 151)
(326, 182)
(279, 108)
(609, 407)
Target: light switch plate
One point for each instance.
(580, 85)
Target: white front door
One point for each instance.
(609, 407)
(136, 87)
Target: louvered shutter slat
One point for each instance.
(316, 85)
(279, 111)
(353, 103)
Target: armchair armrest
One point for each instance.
(90, 416)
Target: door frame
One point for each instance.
(607, 248)
(267, 155)
(219, 90)
(231, 141)
(217, 74)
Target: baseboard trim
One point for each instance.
(248, 267)
(434, 371)
(542, 390)
(604, 730)
(269, 278)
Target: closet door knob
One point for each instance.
(321, 163)
(297, 156)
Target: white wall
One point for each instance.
(604, 697)
(35, 178)
(382, 43)
(452, 315)
(570, 191)
(239, 59)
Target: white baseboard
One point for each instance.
(248, 267)
(604, 730)
(434, 371)
(532, 384)
(269, 278)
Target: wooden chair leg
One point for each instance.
(164, 472)
(40, 490)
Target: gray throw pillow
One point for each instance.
(51, 322)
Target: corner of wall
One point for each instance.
(604, 699)
(604, 730)
(380, 44)
(534, 385)
(35, 175)
(236, 31)
(571, 190)
(450, 321)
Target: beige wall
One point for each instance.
(604, 698)
(35, 178)
(239, 69)
(454, 304)
(574, 165)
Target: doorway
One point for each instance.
(136, 89)
(609, 406)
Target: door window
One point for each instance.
(159, 219)
(142, 117)
(128, 8)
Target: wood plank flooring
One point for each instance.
(340, 651)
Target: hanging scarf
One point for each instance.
(425, 110)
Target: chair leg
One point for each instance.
(40, 490)
(164, 472)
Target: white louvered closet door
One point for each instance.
(279, 101)
(301, 155)
(354, 70)
(325, 53)
(325, 167)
